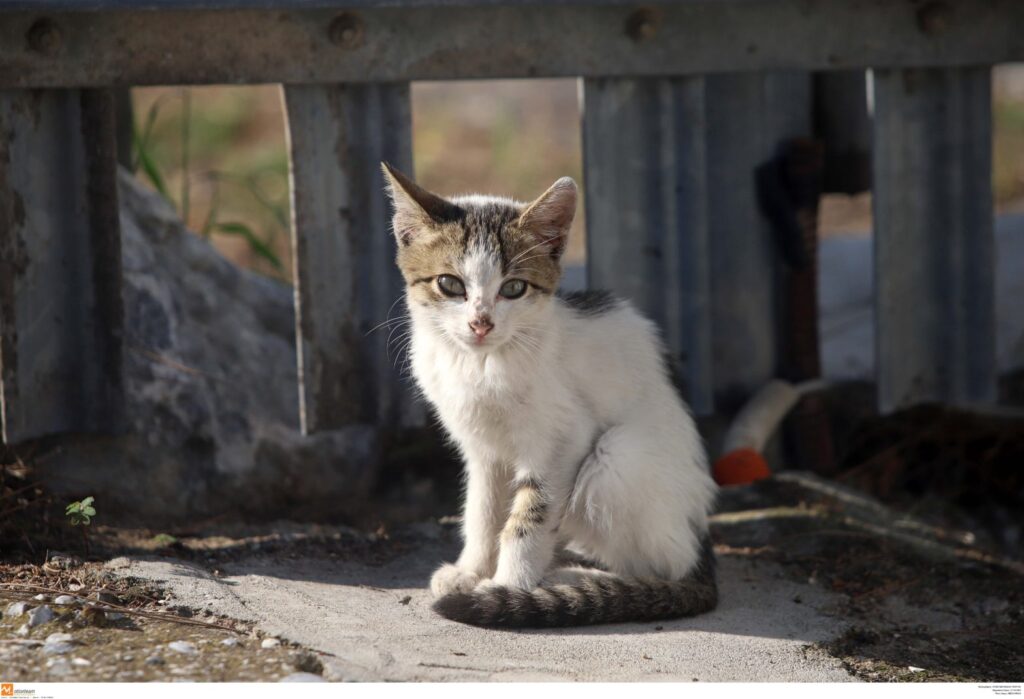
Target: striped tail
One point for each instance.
(599, 599)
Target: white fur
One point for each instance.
(580, 403)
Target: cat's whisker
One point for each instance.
(382, 324)
(531, 257)
(402, 342)
(405, 327)
(529, 249)
(402, 351)
(387, 315)
(397, 341)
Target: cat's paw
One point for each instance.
(450, 578)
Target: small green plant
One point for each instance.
(81, 512)
(165, 540)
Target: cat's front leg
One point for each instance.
(528, 539)
(487, 498)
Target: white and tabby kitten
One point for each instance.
(576, 445)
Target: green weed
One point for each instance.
(80, 512)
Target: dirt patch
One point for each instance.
(924, 604)
(904, 654)
(72, 621)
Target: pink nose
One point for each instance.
(481, 326)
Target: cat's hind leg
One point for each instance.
(640, 501)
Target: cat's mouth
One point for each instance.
(479, 341)
(476, 342)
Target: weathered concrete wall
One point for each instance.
(212, 406)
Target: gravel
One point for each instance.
(17, 609)
(39, 616)
(58, 647)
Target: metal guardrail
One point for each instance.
(682, 100)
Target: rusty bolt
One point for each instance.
(934, 18)
(642, 24)
(44, 37)
(346, 31)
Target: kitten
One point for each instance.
(575, 441)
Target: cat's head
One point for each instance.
(481, 270)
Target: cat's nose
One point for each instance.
(481, 326)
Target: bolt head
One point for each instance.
(346, 31)
(44, 37)
(642, 24)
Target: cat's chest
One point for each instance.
(482, 395)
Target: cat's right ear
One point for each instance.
(416, 209)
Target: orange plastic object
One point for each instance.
(741, 466)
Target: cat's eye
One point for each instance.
(451, 286)
(512, 289)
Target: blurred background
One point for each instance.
(219, 155)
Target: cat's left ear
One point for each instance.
(550, 216)
(416, 209)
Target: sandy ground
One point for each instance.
(375, 623)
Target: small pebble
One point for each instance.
(270, 643)
(405, 600)
(58, 647)
(127, 658)
(302, 677)
(107, 598)
(183, 647)
(92, 616)
(17, 608)
(22, 630)
(231, 642)
(40, 616)
(40, 597)
(58, 666)
(154, 660)
(80, 662)
(59, 638)
(65, 600)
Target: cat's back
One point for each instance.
(599, 323)
(613, 349)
